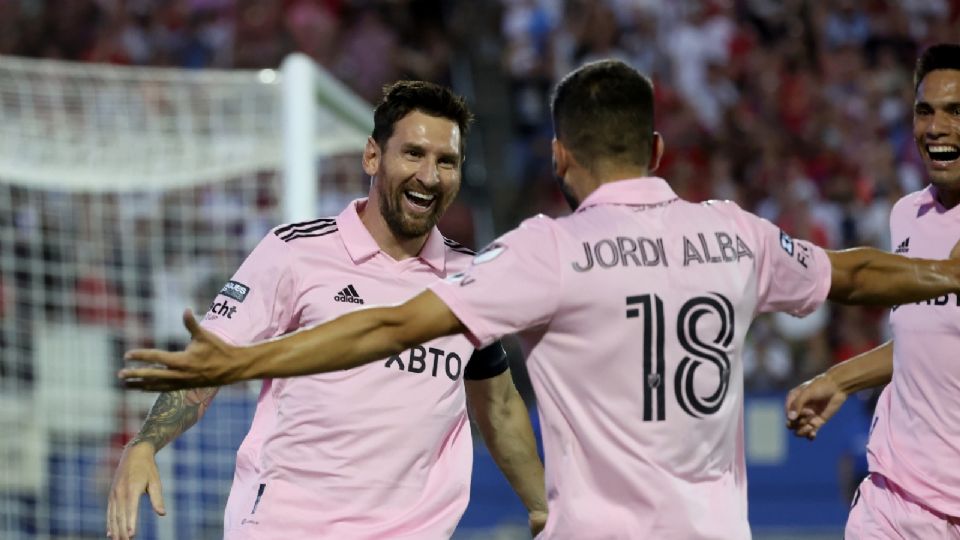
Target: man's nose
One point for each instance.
(939, 125)
(428, 173)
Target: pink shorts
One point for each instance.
(881, 511)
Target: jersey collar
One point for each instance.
(361, 246)
(632, 191)
(926, 197)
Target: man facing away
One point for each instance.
(384, 450)
(640, 302)
(913, 490)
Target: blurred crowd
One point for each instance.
(797, 110)
(365, 43)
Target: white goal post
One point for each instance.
(127, 194)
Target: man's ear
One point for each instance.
(561, 158)
(656, 152)
(371, 157)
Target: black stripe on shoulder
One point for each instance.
(285, 229)
(458, 247)
(465, 251)
(297, 234)
(317, 227)
(308, 230)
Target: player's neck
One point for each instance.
(592, 180)
(397, 247)
(622, 174)
(949, 198)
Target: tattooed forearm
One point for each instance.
(172, 414)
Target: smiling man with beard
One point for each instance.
(384, 450)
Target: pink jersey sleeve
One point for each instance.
(258, 301)
(792, 275)
(512, 285)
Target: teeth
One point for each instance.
(421, 196)
(941, 148)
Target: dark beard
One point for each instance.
(390, 209)
(567, 193)
(564, 188)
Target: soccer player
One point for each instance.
(380, 451)
(913, 490)
(640, 302)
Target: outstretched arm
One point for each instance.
(871, 276)
(810, 405)
(865, 275)
(348, 341)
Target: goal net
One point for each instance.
(127, 194)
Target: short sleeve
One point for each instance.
(512, 285)
(258, 301)
(793, 275)
(486, 363)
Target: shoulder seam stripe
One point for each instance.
(295, 236)
(286, 228)
(303, 226)
(316, 228)
(457, 246)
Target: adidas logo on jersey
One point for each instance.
(348, 294)
(904, 247)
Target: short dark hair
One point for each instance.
(604, 111)
(939, 56)
(403, 97)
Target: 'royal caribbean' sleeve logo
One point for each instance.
(236, 290)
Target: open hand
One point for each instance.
(207, 361)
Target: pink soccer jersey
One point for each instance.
(915, 435)
(380, 451)
(639, 302)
